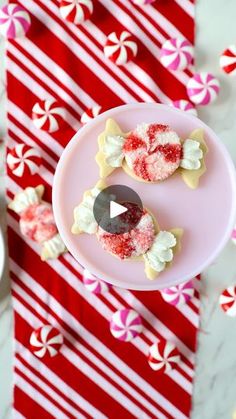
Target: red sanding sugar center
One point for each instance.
(133, 142)
(133, 243)
(37, 222)
(155, 129)
(118, 244)
(140, 168)
(132, 216)
(171, 152)
(153, 151)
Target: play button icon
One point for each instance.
(117, 209)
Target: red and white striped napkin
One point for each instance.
(94, 375)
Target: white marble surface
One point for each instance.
(215, 384)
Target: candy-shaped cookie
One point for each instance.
(179, 294)
(120, 47)
(93, 284)
(203, 88)
(185, 105)
(76, 11)
(23, 160)
(228, 60)
(151, 153)
(90, 114)
(163, 356)
(48, 115)
(227, 301)
(176, 54)
(126, 324)
(37, 221)
(145, 241)
(14, 21)
(46, 341)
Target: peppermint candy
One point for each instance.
(48, 115)
(93, 284)
(76, 11)
(23, 160)
(185, 105)
(163, 356)
(46, 340)
(126, 324)
(203, 88)
(143, 2)
(14, 21)
(233, 235)
(228, 60)
(178, 295)
(120, 48)
(90, 113)
(227, 301)
(176, 54)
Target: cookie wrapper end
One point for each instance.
(27, 197)
(84, 221)
(160, 256)
(113, 150)
(53, 248)
(193, 162)
(192, 155)
(110, 141)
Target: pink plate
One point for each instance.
(206, 214)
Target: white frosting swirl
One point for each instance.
(24, 199)
(83, 213)
(192, 154)
(160, 253)
(53, 248)
(113, 150)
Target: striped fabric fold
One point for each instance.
(94, 375)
